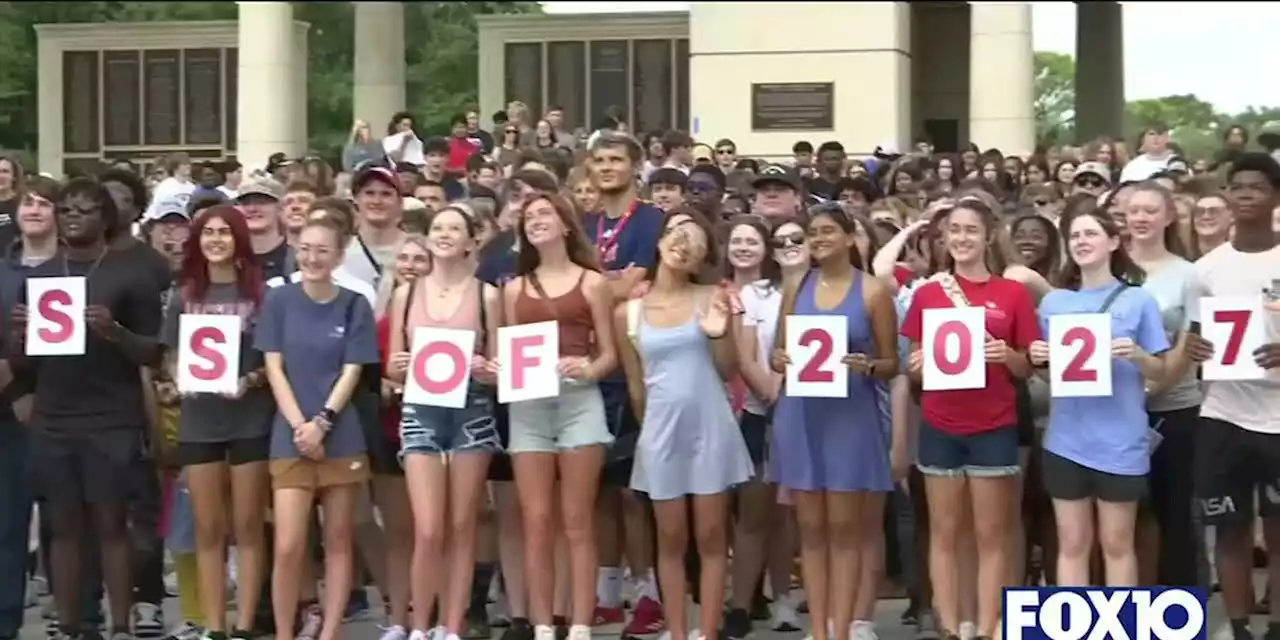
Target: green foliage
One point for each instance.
(1195, 125)
(440, 53)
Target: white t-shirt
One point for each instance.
(761, 306)
(1253, 405)
(1143, 167)
(367, 262)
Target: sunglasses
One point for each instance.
(1042, 203)
(724, 152)
(1091, 182)
(512, 131)
(794, 239)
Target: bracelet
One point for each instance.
(323, 423)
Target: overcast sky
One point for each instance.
(1169, 47)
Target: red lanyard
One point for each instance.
(605, 243)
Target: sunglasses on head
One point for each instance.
(793, 239)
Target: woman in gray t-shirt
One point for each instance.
(221, 436)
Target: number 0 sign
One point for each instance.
(1080, 355)
(953, 341)
(1235, 327)
(816, 344)
(208, 353)
(440, 367)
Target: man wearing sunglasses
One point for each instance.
(1093, 178)
(726, 154)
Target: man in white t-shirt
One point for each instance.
(1238, 443)
(1155, 155)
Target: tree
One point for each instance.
(440, 52)
(1055, 96)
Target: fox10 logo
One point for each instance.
(1083, 613)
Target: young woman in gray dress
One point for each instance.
(677, 348)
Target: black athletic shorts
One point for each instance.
(1068, 480)
(1232, 465)
(88, 466)
(234, 452)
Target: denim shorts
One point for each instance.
(573, 419)
(990, 454)
(439, 430)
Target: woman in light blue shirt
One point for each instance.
(1097, 449)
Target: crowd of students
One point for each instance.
(672, 445)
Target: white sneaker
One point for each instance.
(579, 632)
(785, 619)
(863, 630)
(188, 631)
(967, 630)
(696, 635)
(394, 632)
(418, 634)
(146, 620)
(544, 632)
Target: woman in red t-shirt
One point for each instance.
(968, 439)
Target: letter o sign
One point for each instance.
(458, 367)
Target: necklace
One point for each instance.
(66, 267)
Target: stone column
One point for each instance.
(379, 65)
(267, 102)
(1000, 77)
(1099, 71)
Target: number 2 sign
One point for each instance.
(816, 345)
(1080, 355)
(953, 345)
(1235, 327)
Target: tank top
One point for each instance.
(466, 316)
(571, 311)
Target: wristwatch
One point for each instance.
(328, 415)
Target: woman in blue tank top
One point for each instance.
(831, 452)
(1097, 450)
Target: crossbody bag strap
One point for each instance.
(1112, 297)
(408, 306)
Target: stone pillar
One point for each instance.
(1099, 71)
(1001, 87)
(267, 102)
(380, 66)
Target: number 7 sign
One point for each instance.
(1080, 355)
(816, 344)
(1235, 327)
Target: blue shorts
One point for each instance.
(438, 430)
(990, 454)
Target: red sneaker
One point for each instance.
(605, 616)
(647, 619)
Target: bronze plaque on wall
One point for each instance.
(122, 113)
(793, 106)
(80, 99)
(524, 76)
(610, 63)
(232, 71)
(651, 102)
(682, 84)
(161, 83)
(567, 81)
(203, 100)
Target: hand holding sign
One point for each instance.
(56, 317)
(1234, 327)
(529, 355)
(209, 354)
(815, 347)
(439, 372)
(955, 352)
(1079, 366)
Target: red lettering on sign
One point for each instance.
(49, 307)
(812, 370)
(203, 341)
(458, 373)
(1239, 321)
(963, 359)
(519, 361)
(1075, 370)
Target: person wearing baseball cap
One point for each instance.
(378, 198)
(1092, 178)
(261, 199)
(778, 192)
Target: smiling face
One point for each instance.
(379, 203)
(1031, 239)
(683, 248)
(412, 261)
(790, 247)
(945, 170)
(542, 223)
(1089, 243)
(216, 242)
(586, 195)
(319, 252)
(1147, 215)
(296, 206)
(746, 247)
(966, 236)
(1211, 217)
(828, 240)
(80, 220)
(261, 212)
(35, 216)
(450, 236)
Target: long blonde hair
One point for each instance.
(390, 281)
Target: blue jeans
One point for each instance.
(15, 527)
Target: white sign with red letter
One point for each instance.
(55, 316)
(440, 367)
(816, 344)
(1235, 326)
(953, 345)
(1080, 355)
(528, 357)
(208, 353)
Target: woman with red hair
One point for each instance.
(223, 439)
